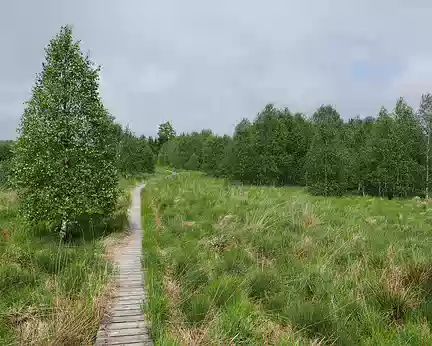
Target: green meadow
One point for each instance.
(230, 264)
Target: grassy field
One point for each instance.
(52, 293)
(255, 265)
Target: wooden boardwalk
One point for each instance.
(126, 324)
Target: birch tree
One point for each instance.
(327, 160)
(66, 154)
(425, 118)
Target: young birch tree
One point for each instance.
(425, 117)
(65, 155)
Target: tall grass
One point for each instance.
(255, 265)
(52, 292)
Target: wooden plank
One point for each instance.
(124, 295)
(130, 270)
(132, 277)
(130, 312)
(129, 291)
(135, 284)
(131, 283)
(127, 318)
(129, 280)
(126, 272)
(126, 307)
(126, 279)
(126, 332)
(131, 295)
(134, 300)
(127, 325)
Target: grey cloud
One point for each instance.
(207, 64)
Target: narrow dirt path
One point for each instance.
(125, 324)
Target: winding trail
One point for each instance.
(126, 324)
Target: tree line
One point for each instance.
(386, 155)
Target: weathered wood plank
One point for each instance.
(125, 319)
(130, 284)
(131, 295)
(127, 325)
(130, 291)
(126, 307)
(127, 332)
(129, 279)
(130, 312)
(134, 301)
(128, 270)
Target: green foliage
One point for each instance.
(407, 146)
(193, 163)
(6, 153)
(328, 159)
(243, 155)
(381, 159)
(65, 156)
(5, 173)
(178, 151)
(6, 150)
(385, 156)
(165, 133)
(135, 155)
(213, 154)
(357, 132)
(153, 144)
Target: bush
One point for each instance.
(4, 173)
(135, 155)
(193, 163)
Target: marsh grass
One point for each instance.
(53, 292)
(263, 265)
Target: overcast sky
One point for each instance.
(207, 64)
